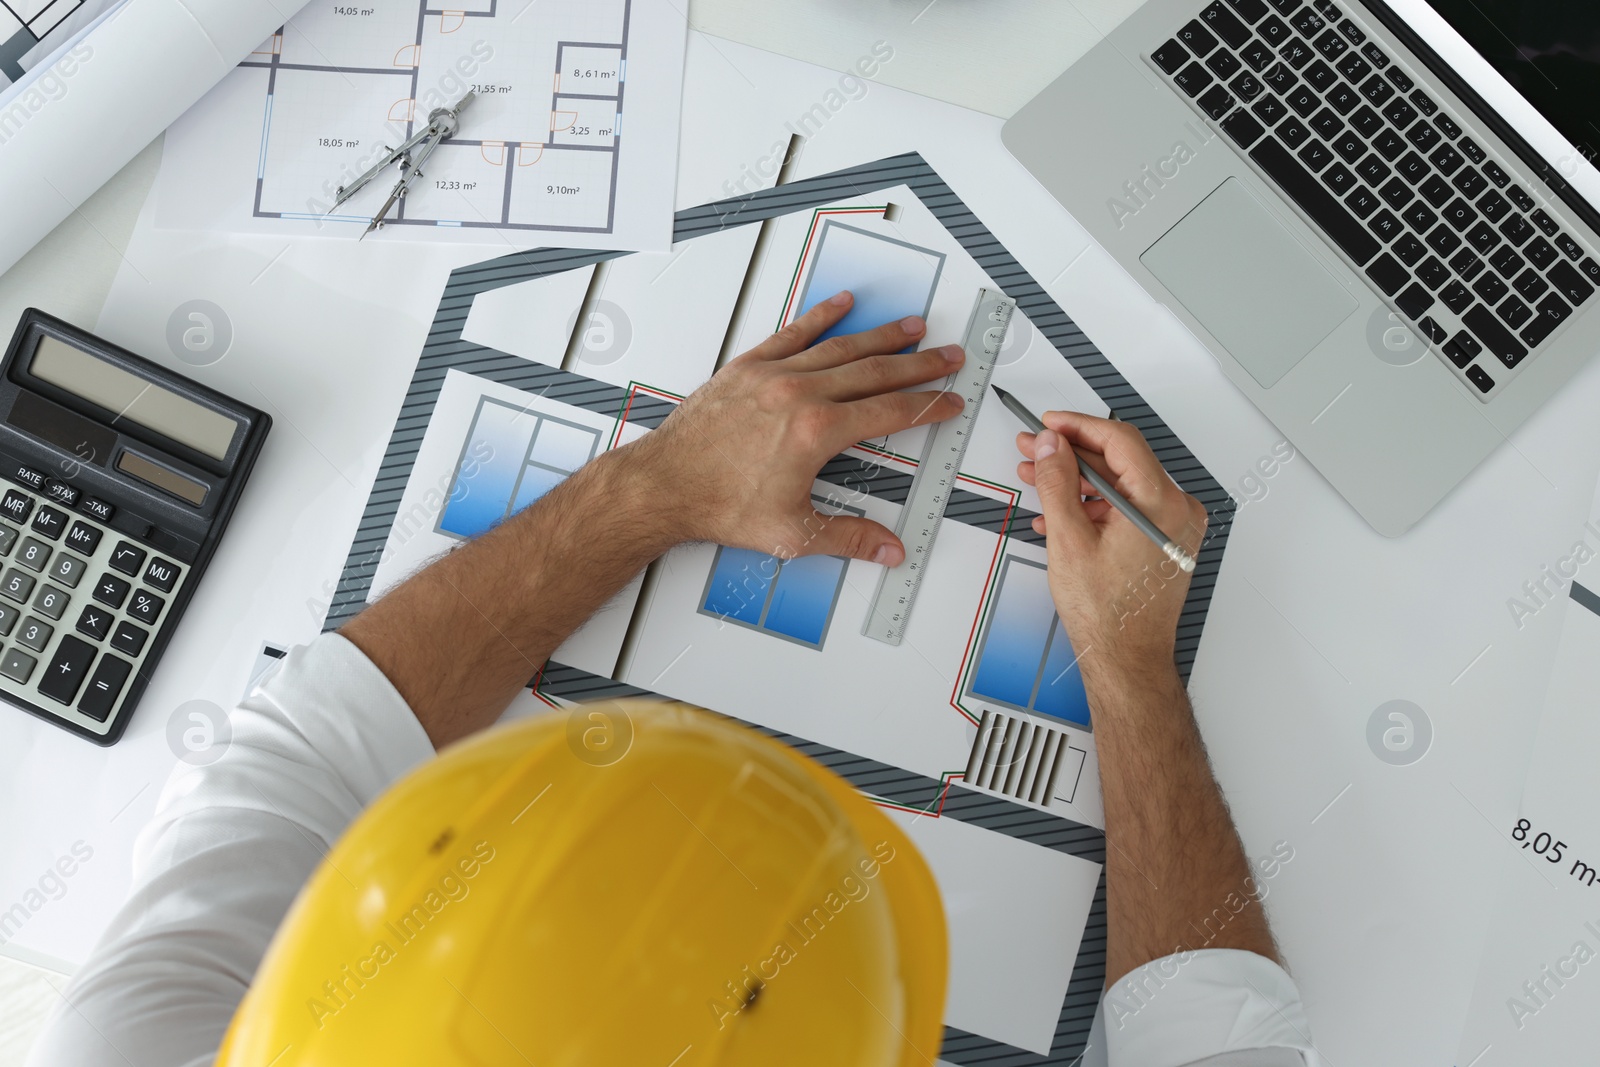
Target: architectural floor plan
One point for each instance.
(31, 30)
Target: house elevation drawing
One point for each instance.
(975, 733)
(541, 146)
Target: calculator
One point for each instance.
(118, 478)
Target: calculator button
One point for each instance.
(8, 619)
(101, 692)
(16, 506)
(17, 665)
(96, 622)
(67, 494)
(31, 478)
(16, 585)
(35, 634)
(127, 558)
(49, 522)
(145, 606)
(129, 639)
(68, 570)
(84, 538)
(162, 574)
(98, 508)
(51, 602)
(8, 537)
(33, 554)
(111, 590)
(62, 678)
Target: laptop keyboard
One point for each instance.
(1435, 222)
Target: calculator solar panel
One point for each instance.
(117, 479)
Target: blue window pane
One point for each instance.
(804, 597)
(889, 279)
(493, 457)
(1061, 685)
(536, 482)
(738, 589)
(1013, 648)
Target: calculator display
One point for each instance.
(132, 397)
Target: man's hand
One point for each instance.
(741, 454)
(1119, 595)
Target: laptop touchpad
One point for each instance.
(1249, 281)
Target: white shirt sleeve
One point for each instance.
(1207, 1008)
(229, 847)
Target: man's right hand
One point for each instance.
(1118, 594)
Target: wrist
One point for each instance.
(639, 496)
(1131, 683)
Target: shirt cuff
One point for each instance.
(1191, 1006)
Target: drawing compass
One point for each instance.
(442, 125)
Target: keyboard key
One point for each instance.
(1435, 189)
(1435, 333)
(1320, 76)
(145, 606)
(1494, 173)
(1306, 21)
(1459, 214)
(8, 619)
(1446, 159)
(16, 506)
(1423, 103)
(1248, 86)
(1329, 9)
(34, 634)
(1470, 183)
(1315, 155)
(1376, 90)
(83, 537)
(1275, 31)
(1491, 289)
(1521, 198)
(1401, 82)
(1354, 68)
(1415, 301)
(1197, 38)
(1280, 79)
(1515, 312)
(1541, 218)
(127, 558)
(1517, 230)
(1332, 44)
(1530, 285)
(49, 522)
(33, 554)
(1375, 55)
(1249, 10)
(8, 537)
(1349, 146)
(1480, 378)
(100, 695)
(95, 622)
(1569, 248)
(97, 508)
(17, 665)
(1293, 133)
(1495, 337)
(1339, 179)
(1303, 100)
(1397, 193)
(65, 674)
(51, 602)
(129, 639)
(1408, 249)
(1257, 56)
(1412, 168)
(1217, 102)
(111, 590)
(1385, 226)
(1589, 267)
(62, 492)
(1352, 33)
(1456, 297)
(1552, 313)
(1470, 149)
(1419, 217)
(1389, 276)
(1367, 122)
(16, 586)
(1423, 136)
(1269, 109)
(1507, 262)
(1467, 265)
(1389, 144)
(1373, 170)
(68, 570)
(1326, 124)
(1463, 349)
(1361, 202)
(1244, 129)
(1171, 56)
(1225, 24)
(1400, 113)
(1296, 53)
(1541, 253)
(1193, 79)
(1433, 273)
(162, 574)
(1224, 64)
(1494, 207)
(1570, 284)
(1445, 124)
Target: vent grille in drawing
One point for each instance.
(1021, 758)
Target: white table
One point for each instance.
(1316, 620)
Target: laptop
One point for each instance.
(1380, 217)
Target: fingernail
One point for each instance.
(1045, 445)
(912, 324)
(953, 353)
(887, 555)
(841, 297)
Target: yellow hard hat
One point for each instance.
(634, 883)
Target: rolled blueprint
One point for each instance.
(76, 118)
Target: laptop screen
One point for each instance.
(1549, 50)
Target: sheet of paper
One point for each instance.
(572, 127)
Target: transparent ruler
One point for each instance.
(938, 469)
